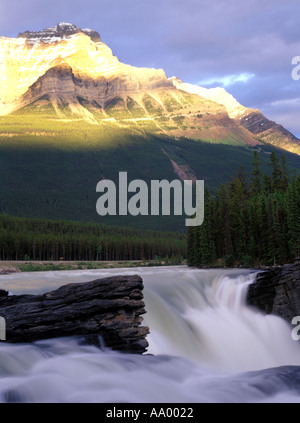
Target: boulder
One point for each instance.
(277, 291)
(110, 308)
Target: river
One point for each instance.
(206, 345)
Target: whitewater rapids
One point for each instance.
(206, 345)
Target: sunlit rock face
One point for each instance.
(218, 95)
(27, 58)
(74, 73)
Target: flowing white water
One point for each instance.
(204, 338)
(202, 316)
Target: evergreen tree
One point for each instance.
(293, 216)
(39, 239)
(259, 223)
(275, 172)
(256, 175)
(284, 175)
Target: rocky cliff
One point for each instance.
(111, 308)
(277, 291)
(132, 102)
(30, 56)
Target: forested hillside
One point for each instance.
(251, 220)
(37, 239)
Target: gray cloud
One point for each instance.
(195, 40)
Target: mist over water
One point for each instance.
(207, 346)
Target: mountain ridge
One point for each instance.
(251, 119)
(72, 114)
(57, 33)
(74, 68)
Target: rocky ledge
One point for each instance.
(277, 291)
(110, 308)
(57, 33)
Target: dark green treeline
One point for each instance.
(37, 239)
(253, 220)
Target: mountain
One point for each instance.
(251, 119)
(71, 114)
(73, 72)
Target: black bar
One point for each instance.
(149, 412)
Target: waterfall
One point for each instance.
(202, 315)
(206, 345)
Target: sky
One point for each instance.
(246, 47)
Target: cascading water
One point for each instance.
(203, 316)
(204, 339)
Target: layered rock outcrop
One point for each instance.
(277, 291)
(26, 59)
(59, 32)
(110, 308)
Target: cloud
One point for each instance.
(227, 80)
(222, 42)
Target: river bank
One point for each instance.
(8, 267)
